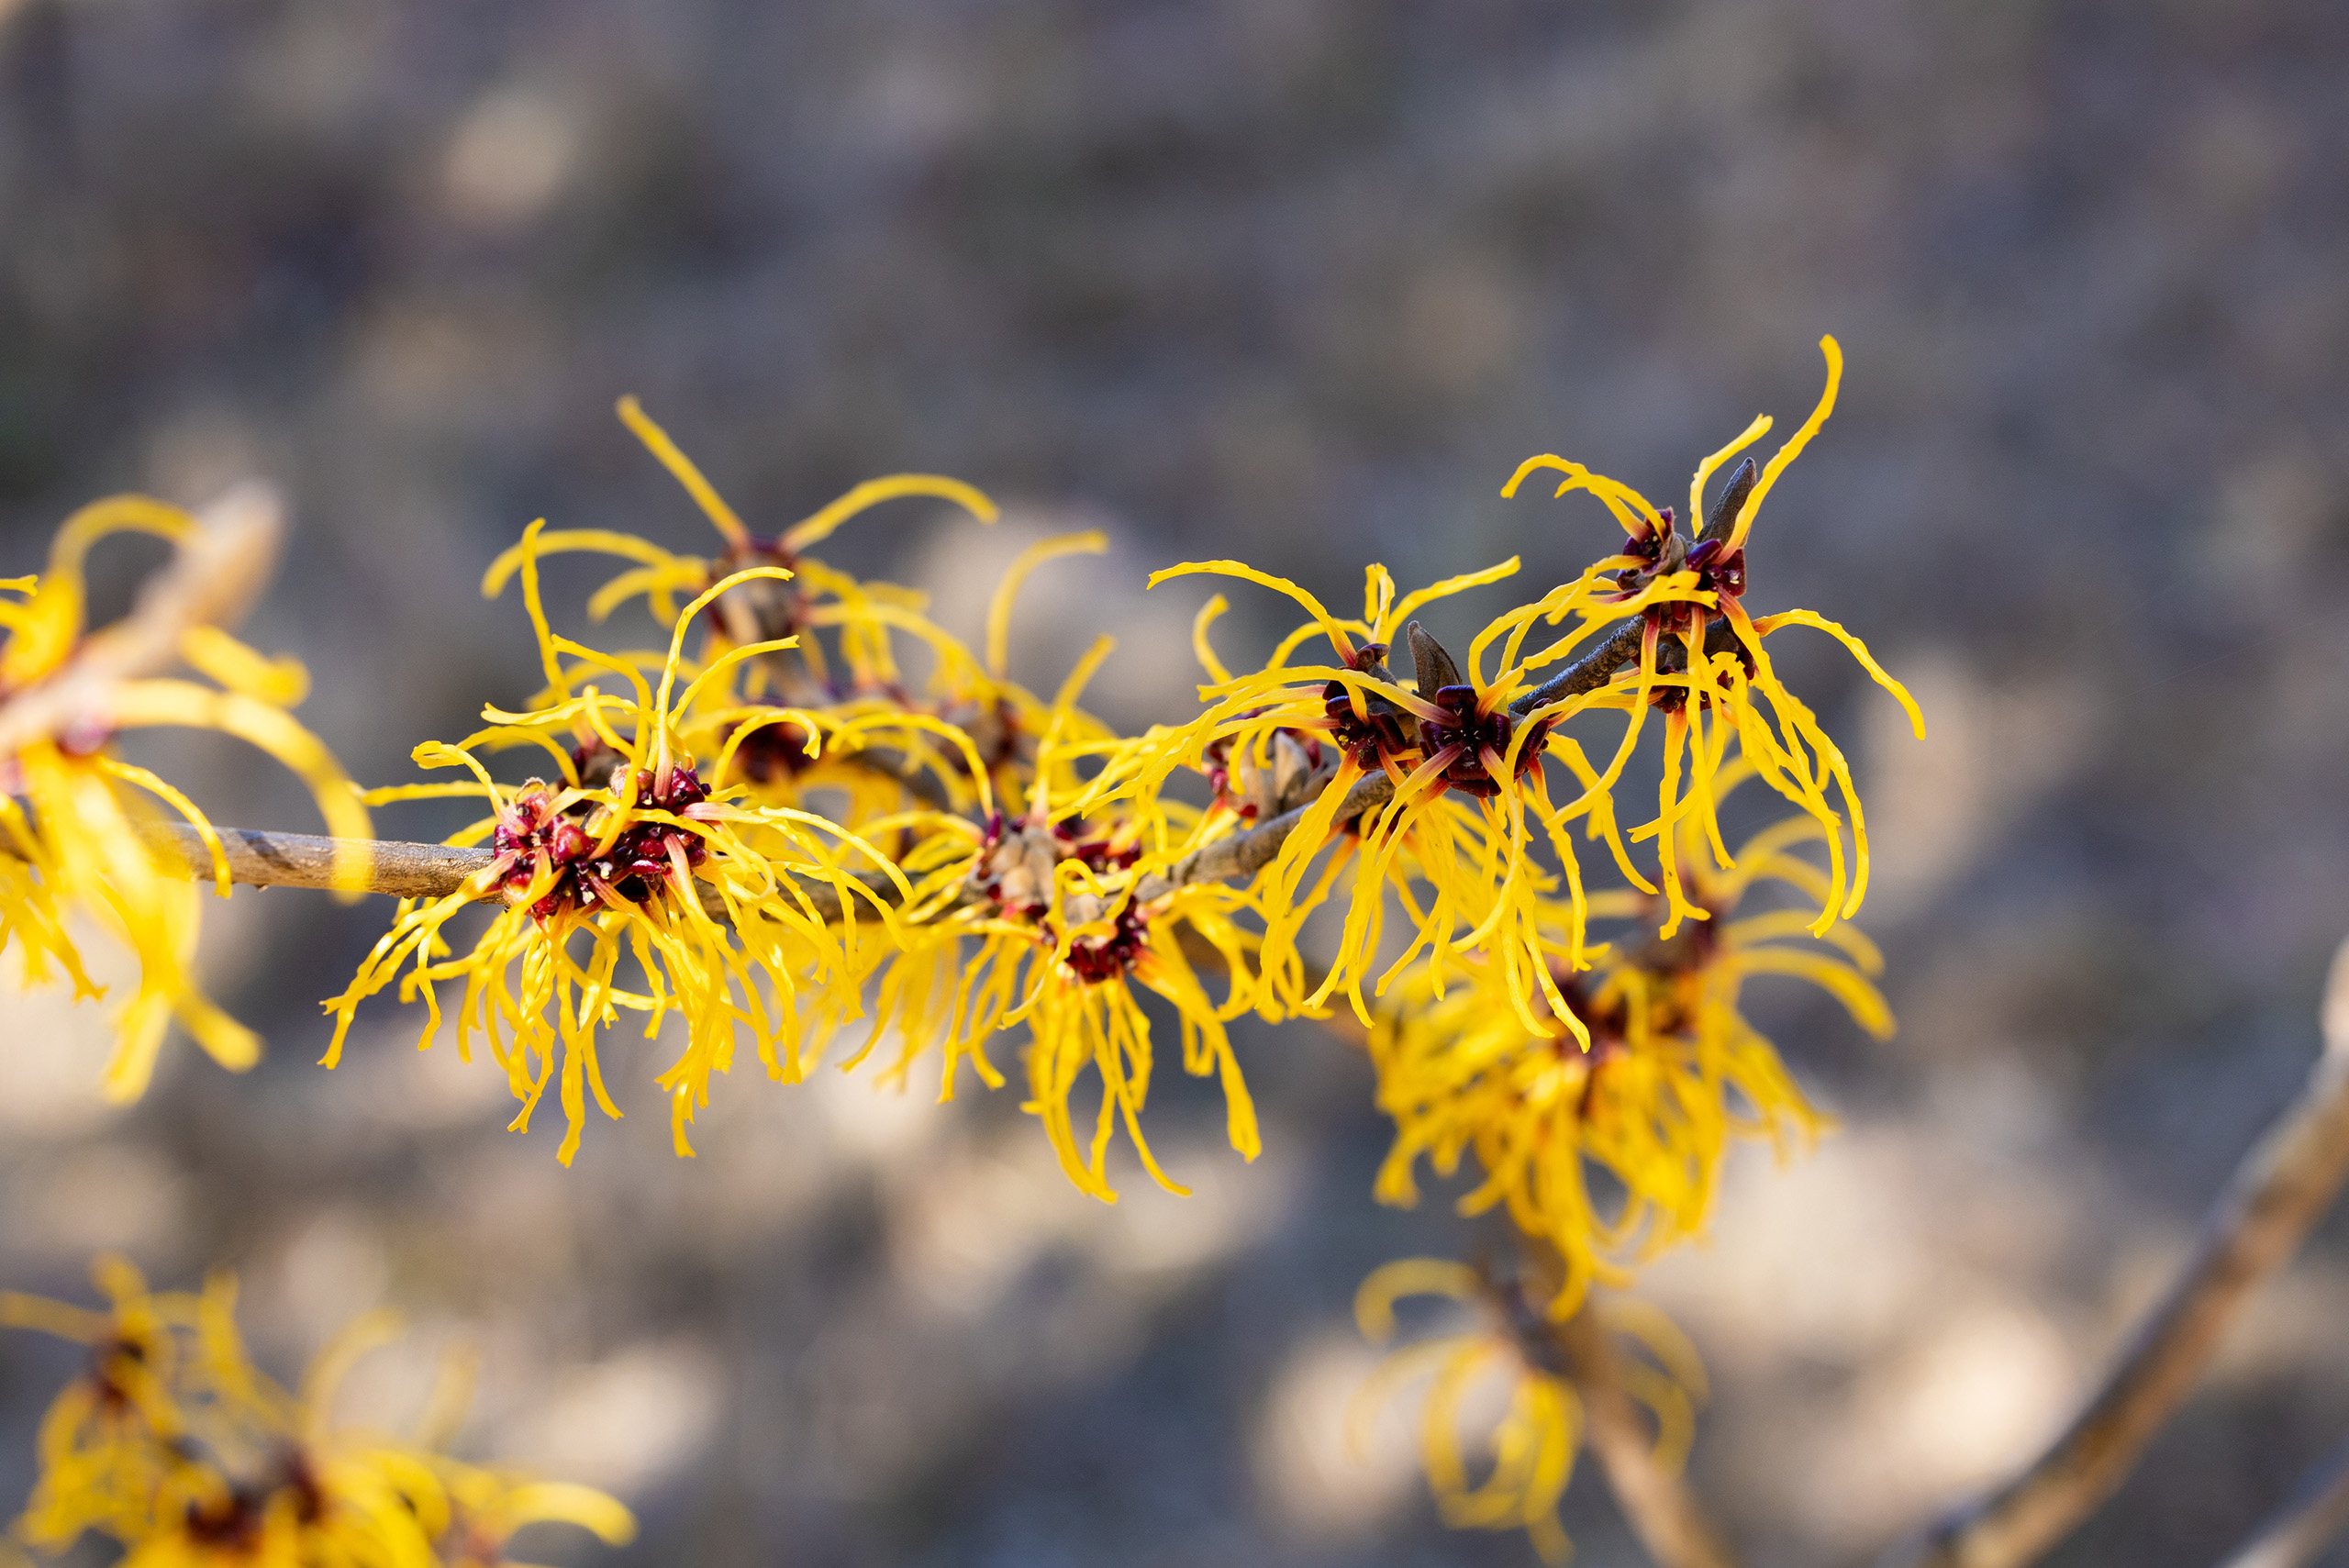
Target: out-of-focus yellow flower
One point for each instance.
(634, 856)
(74, 815)
(1673, 1072)
(173, 1446)
(1533, 1443)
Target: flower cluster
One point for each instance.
(1671, 1073)
(172, 1444)
(812, 816)
(793, 835)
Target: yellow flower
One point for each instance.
(1534, 1442)
(1672, 1073)
(1467, 788)
(1683, 594)
(632, 853)
(176, 1448)
(74, 818)
(807, 595)
(796, 723)
(1456, 831)
(1052, 918)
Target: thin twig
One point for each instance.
(1587, 674)
(306, 859)
(2283, 1186)
(399, 869)
(898, 768)
(1597, 667)
(1656, 1499)
(402, 870)
(1245, 854)
(2316, 1512)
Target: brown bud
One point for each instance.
(1436, 669)
(1733, 501)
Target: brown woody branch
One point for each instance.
(1656, 1499)
(399, 869)
(1619, 647)
(306, 859)
(1246, 853)
(2283, 1186)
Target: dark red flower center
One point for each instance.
(635, 866)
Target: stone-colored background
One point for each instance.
(1300, 281)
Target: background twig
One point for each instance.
(306, 859)
(2281, 1188)
(1656, 1499)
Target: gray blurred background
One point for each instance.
(1298, 281)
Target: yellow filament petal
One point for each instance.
(1705, 470)
(281, 680)
(155, 785)
(1390, 1283)
(873, 491)
(603, 542)
(1387, 624)
(1091, 541)
(680, 468)
(1208, 614)
(1795, 443)
(138, 703)
(1330, 627)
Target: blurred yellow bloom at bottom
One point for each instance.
(1516, 1346)
(172, 1444)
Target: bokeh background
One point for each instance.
(1300, 281)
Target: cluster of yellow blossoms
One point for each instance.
(173, 1445)
(816, 818)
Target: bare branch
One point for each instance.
(1246, 853)
(400, 870)
(1587, 674)
(2316, 1512)
(2283, 1186)
(1655, 1498)
(306, 859)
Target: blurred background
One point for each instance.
(1299, 281)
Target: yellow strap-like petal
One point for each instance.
(680, 468)
(1091, 541)
(873, 491)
